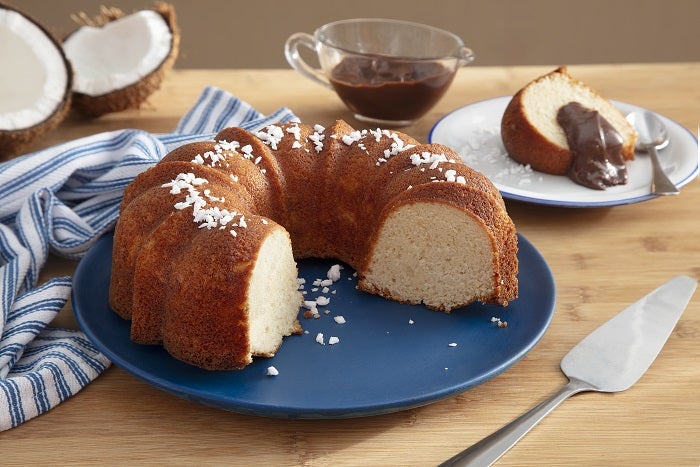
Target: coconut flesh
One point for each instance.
(118, 60)
(34, 83)
(118, 54)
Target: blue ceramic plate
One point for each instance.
(474, 131)
(389, 356)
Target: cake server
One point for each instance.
(610, 359)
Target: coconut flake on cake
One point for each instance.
(317, 137)
(207, 217)
(270, 135)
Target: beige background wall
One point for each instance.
(251, 34)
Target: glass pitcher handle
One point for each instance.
(466, 56)
(291, 52)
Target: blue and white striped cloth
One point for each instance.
(61, 200)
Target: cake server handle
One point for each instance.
(491, 448)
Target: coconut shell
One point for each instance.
(133, 96)
(12, 142)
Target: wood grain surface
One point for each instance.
(602, 260)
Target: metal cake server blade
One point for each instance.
(610, 359)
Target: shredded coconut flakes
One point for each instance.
(318, 137)
(271, 135)
(222, 150)
(207, 217)
(352, 137)
(334, 272)
(294, 130)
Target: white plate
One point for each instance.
(474, 132)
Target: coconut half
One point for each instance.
(119, 60)
(35, 82)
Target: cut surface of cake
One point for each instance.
(531, 133)
(205, 249)
(425, 240)
(276, 303)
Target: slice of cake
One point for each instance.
(531, 133)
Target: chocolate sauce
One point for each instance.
(595, 145)
(389, 89)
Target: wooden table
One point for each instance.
(602, 260)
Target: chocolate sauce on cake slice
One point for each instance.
(595, 145)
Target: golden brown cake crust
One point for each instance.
(144, 207)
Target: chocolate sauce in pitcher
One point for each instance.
(388, 88)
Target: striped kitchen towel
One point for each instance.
(61, 200)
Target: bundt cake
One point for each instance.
(205, 245)
(531, 133)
